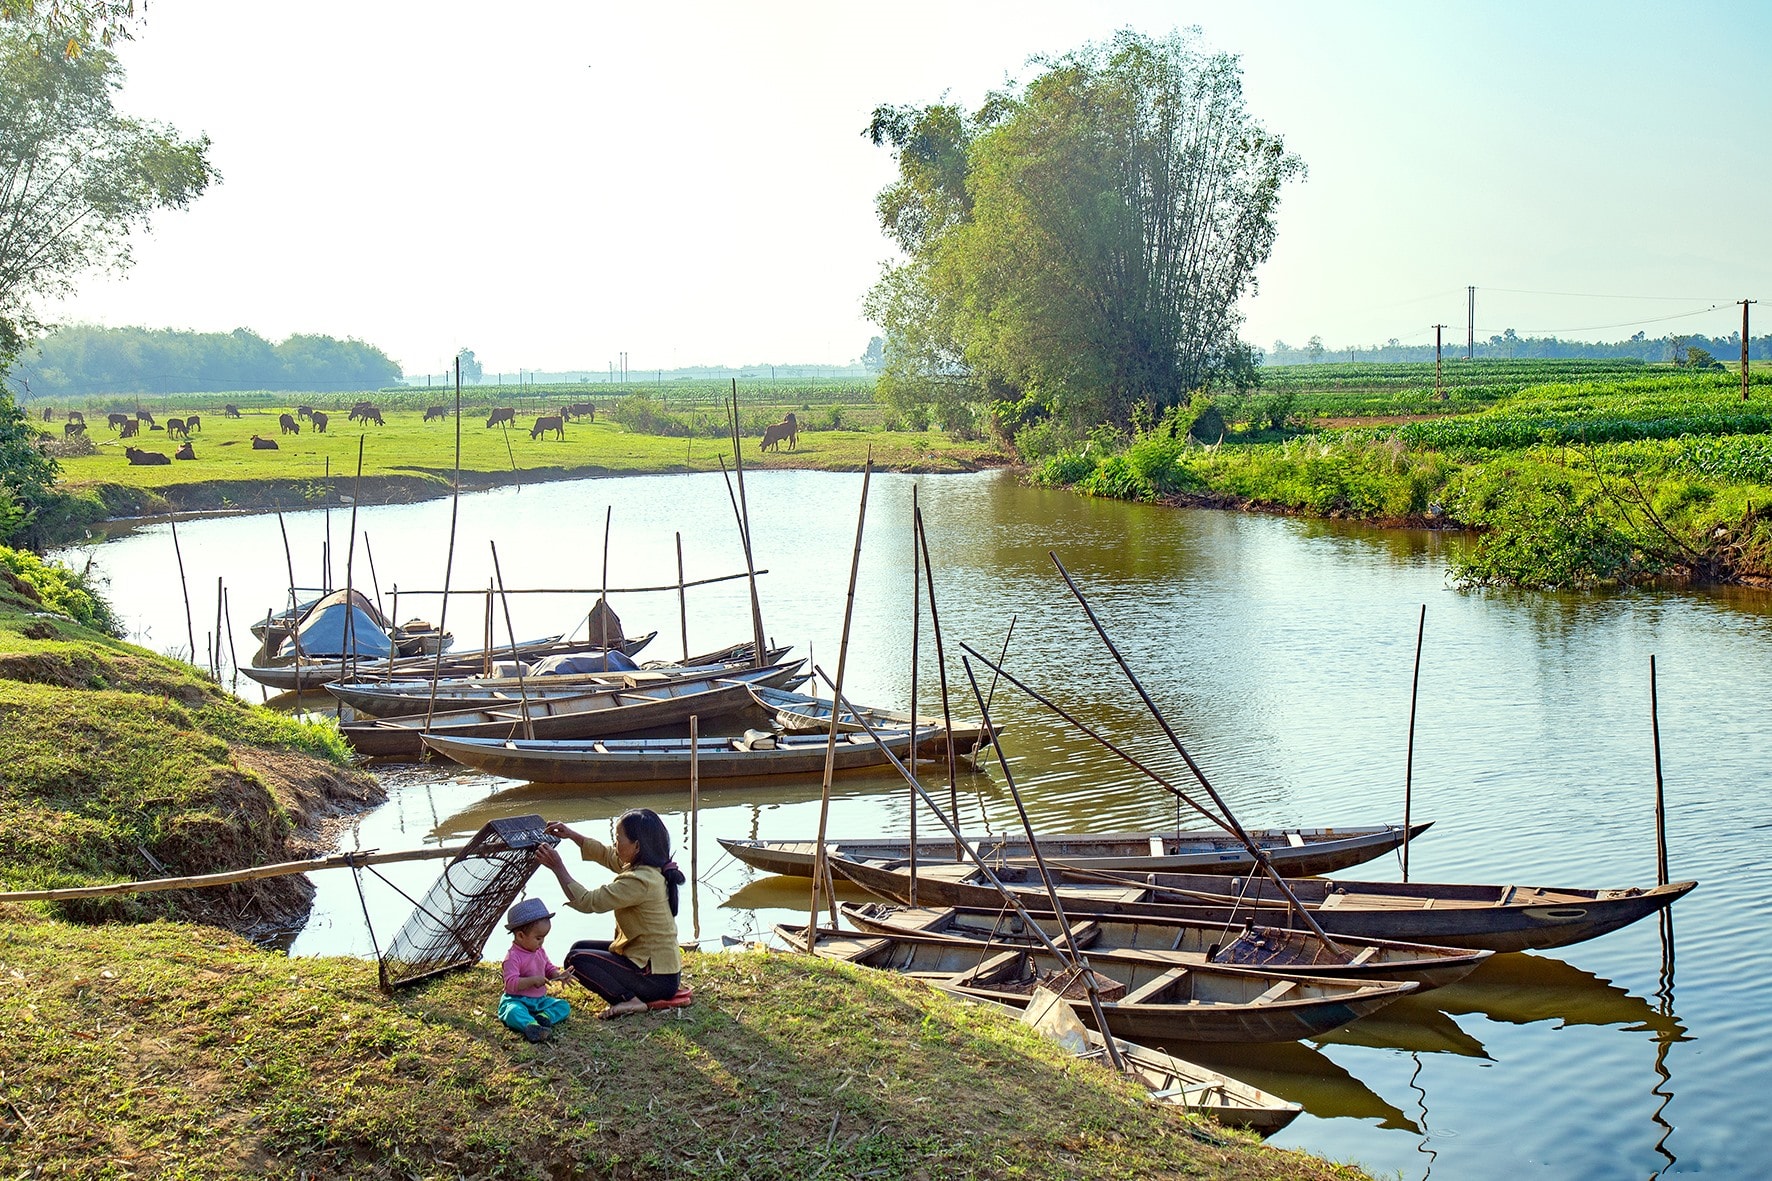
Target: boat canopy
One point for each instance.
(341, 618)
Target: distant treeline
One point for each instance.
(1640, 347)
(82, 361)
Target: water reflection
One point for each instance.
(1522, 988)
(1300, 1074)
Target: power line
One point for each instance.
(1592, 295)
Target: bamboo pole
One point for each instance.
(1409, 757)
(215, 652)
(229, 877)
(233, 655)
(916, 631)
(603, 591)
(1242, 835)
(388, 672)
(326, 553)
(941, 664)
(614, 590)
(1661, 874)
(374, 579)
(294, 622)
(682, 599)
(745, 512)
(348, 667)
(695, 822)
(820, 866)
(184, 587)
(522, 690)
(449, 562)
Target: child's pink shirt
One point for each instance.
(520, 963)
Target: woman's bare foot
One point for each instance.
(632, 1005)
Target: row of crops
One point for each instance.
(1362, 389)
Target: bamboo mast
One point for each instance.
(941, 664)
(349, 668)
(449, 562)
(603, 586)
(1660, 808)
(745, 528)
(522, 691)
(374, 579)
(294, 620)
(820, 865)
(682, 599)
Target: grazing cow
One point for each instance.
(304, 412)
(436, 412)
(185, 452)
(145, 416)
(175, 427)
(586, 410)
(76, 416)
(548, 423)
(320, 420)
(116, 421)
(48, 414)
(146, 458)
(259, 444)
(786, 431)
(372, 414)
(358, 410)
(502, 414)
(73, 428)
(229, 410)
(128, 429)
(288, 424)
(193, 423)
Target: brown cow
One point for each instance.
(259, 444)
(786, 431)
(436, 412)
(229, 410)
(288, 424)
(176, 427)
(76, 416)
(116, 421)
(304, 412)
(372, 414)
(73, 428)
(579, 410)
(128, 429)
(145, 458)
(185, 452)
(320, 420)
(144, 416)
(193, 423)
(548, 423)
(502, 414)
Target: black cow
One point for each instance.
(502, 414)
(185, 452)
(320, 421)
(548, 423)
(229, 410)
(128, 429)
(175, 427)
(259, 444)
(145, 458)
(116, 421)
(193, 423)
(73, 428)
(436, 412)
(288, 424)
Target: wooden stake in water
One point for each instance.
(374, 579)
(1409, 757)
(745, 529)
(184, 588)
(516, 658)
(682, 600)
(694, 821)
(349, 671)
(215, 652)
(916, 631)
(1660, 809)
(233, 656)
(941, 663)
(821, 868)
(603, 587)
(449, 562)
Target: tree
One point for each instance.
(1079, 244)
(873, 358)
(471, 369)
(1314, 346)
(78, 176)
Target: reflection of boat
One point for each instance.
(1266, 949)
(1303, 1074)
(1412, 1024)
(719, 761)
(1521, 989)
(796, 713)
(1139, 999)
(1292, 850)
(1500, 918)
(581, 715)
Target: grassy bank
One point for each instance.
(1594, 478)
(169, 1050)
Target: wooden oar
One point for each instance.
(228, 877)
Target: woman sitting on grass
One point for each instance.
(642, 963)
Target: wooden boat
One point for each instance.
(1140, 999)
(1173, 1083)
(307, 673)
(1498, 918)
(1292, 850)
(666, 760)
(797, 713)
(1274, 950)
(581, 715)
(403, 698)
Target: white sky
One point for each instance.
(551, 184)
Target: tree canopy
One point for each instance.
(81, 360)
(1077, 245)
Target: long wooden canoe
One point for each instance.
(721, 762)
(1173, 1083)
(1140, 999)
(307, 673)
(582, 715)
(1498, 918)
(797, 713)
(1294, 851)
(403, 698)
(1274, 950)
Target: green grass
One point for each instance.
(169, 1050)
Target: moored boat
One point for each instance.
(798, 713)
(309, 673)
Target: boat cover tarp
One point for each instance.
(612, 660)
(323, 632)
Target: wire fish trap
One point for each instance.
(449, 926)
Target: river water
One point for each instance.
(1280, 650)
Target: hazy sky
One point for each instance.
(554, 184)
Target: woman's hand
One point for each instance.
(550, 857)
(565, 832)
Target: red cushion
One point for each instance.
(684, 997)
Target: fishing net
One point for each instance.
(449, 926)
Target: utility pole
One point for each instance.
(1439, 390)
(1470, 323)
(1744, 303)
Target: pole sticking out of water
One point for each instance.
(233, 656)
(1409, 758)
(326, 554)
(694, 823)
(745, 529)
(821, 866)
(1660, 808)
(184, 587)
(516, 658)
(349, 671)
(449, 562)
(916, 630)
(215, 652)
(603, 587)
(941, 664)
(374, 579)
(682, 599)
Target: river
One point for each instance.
(1280, 650)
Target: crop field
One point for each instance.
(1338, 390)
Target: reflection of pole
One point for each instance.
(1409, 758)
(1660, 810)
(916, 630)
(694, 823)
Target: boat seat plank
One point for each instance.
(1296, 840)
(1366, 954)
(1153, 986)
(1156, 846)
(1276, 992)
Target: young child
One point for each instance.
(526, 1006)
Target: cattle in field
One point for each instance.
(259, 444)
(548, 423)
(586, 410)
(436, 412)
(229, 410)
(144, 416)
(76, 416)
(193, 423)
(185, 452)
(175, 428)
(502, 414)
(304, 412)
(320, 420)
(129, 429)
(366, 412)
(288, 424)
(48, 414)
(70, 429)
(145, 458)
(786, 431)
(116, 421)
